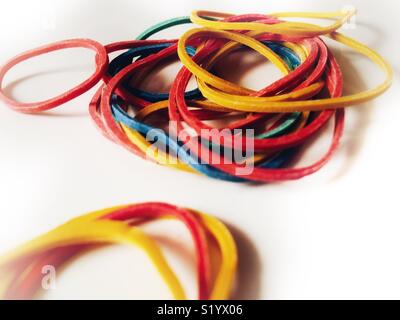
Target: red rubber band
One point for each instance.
(179, 112)
(334, 83)
(35, 107)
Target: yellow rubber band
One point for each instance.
(89, 229)
(286, 28)
(280, 103)
(219, 82)
(225, 278)
(101, 232)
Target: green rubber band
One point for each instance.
(163, 25)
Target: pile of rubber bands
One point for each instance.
(21, 270)
(282, 116)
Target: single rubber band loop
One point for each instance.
(101, 67)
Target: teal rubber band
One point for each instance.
(162, 26)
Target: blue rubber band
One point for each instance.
(126, 59)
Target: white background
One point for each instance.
(332, 235)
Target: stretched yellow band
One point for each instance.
(292, 102)
(286, 28)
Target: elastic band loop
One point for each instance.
(101, 67)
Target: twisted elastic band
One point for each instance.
(181, 152)
(121, 225)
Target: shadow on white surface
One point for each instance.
(250, 267)
(361, 115)
(10, 89)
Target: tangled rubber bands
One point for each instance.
(21, 270)
(221, 130)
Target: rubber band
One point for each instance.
(114, 226)
(278, 27)
(163, 26)
(101, 66)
